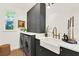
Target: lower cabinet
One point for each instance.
(46, 52)
(37, 47)
(41, 51)
(67, 52)
(27, 44)
(31, 45)
(63, 52)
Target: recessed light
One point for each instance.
(49, 5)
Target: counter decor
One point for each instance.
(70, 36)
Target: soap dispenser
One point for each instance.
(46, 34)
(65, 37)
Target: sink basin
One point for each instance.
(50, 40)
(51, 44)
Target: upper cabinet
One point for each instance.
(36, 18)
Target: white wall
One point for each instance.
(58, 15)
(12, 37)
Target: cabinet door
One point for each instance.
(36, 18)
(46, 52)
(21, 40)
(67, 52)
(30, 44)
(37, 47)
(27, 44)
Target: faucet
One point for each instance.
(55, 34)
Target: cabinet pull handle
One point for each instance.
(60, 49)
(40, 49)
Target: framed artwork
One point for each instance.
(9, 25)
(9, 22)
(21, 24)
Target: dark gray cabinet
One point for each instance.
(21, 40)
(46, 52)
(27, 44)
(37, 47)
(67, 52)
(36, 18)
(31, 46)
(41, 51)
(63, 52)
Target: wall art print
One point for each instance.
(21, 24)
(9, 23)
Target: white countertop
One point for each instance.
(53, 44)
(32, 33)
(74, 47)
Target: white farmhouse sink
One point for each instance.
(51, 44)
(51, 41)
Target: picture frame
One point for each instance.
(9, 21)
(21, 24)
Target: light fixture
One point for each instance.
(49, 5)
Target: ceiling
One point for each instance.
(21, 6)
(64, 8)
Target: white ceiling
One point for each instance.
(64, 7)
(21, 6)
